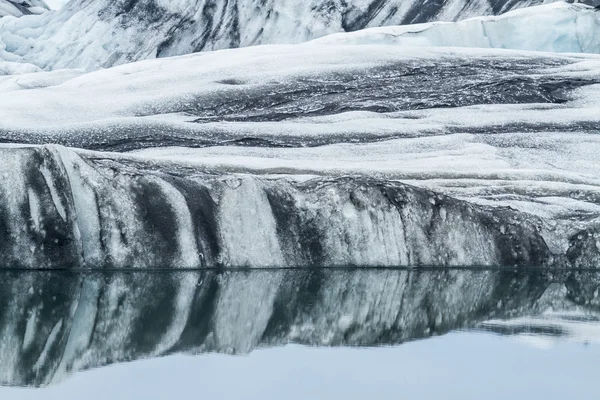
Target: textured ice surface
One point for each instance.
(63, 209)
(63, 323)
(557, 27)
(18, 8)
(102, 33)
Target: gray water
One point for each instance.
(300, 333)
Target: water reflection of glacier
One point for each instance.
(57, 323)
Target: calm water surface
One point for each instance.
(300, 334)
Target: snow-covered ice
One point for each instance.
(425, 145)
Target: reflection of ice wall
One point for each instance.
(56, 324)
(102, 33)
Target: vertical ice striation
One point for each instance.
(37, 231)
(247, 227)
(354, 222)
(189, 255)
(84, 204)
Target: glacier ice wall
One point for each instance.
(102, 33)
(59, 209)
(56, 324)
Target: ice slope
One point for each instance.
(57, 324)
(102, 33)
(18, 8)
(557, 27)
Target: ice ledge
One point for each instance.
(556, 27)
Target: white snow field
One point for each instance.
(56, 4)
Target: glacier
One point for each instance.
(199, 176)
(102, 33)
(402, 172)
(357, 149)
(57, 324)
